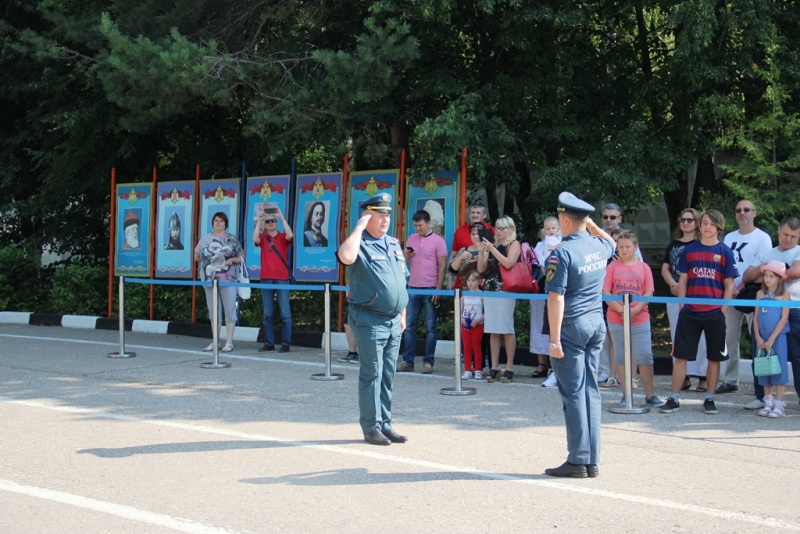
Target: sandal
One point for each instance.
(635, 383)
(764, 412)
(209, 348)
(227, 348)
(493, 375)
(540, 372)
(508, 377)
(687, 384)
(777, 410)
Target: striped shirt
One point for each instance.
(707, 267)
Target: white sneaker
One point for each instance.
(754, 404)
(466, 376)
(478, 375)
(550, 382)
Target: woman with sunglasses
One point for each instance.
(688, 230)
(499, 312)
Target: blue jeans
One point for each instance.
(415, 304)
(267, 297)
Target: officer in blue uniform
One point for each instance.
(376, 270)
(575, 273)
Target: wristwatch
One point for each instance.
(555, 345)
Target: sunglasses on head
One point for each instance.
(610, 217)
(270, 220)
(744, 210)
(686, 220)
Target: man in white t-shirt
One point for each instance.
(747, 243)
(787, 252)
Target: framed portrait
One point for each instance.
(318, 197)
(263, 194)
(437, 193)
(219, 196)
(175, 229)
(365, 185)
(132, 254)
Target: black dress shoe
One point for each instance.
(567, 470)
(393, 436)
(266, 348)
(376, 437)
(726, 388)
(592, 470)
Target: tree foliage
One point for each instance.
(615, 101)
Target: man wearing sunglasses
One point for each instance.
(611, 220)
(274, 270)
(748, 244)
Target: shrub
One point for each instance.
(21, 285)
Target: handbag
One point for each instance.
(244, 278)
(766, 363)
(518, 279)
(748, 292)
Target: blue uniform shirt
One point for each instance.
(377, 278)
(576, 269)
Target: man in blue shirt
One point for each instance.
(575, 273)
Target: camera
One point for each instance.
(270, 211)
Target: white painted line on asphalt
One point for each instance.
(127, 512)
(561, 486)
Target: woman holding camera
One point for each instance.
(499, 312)
(466, 259)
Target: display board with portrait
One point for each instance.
(132, 254)
(316, 222)
(366, 184)
(264, 193)
(219, 196)
(437, 193)
(175, 229)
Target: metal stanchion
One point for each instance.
(458, 390)
(628, 378)
(121, 353)
(215, 323)
(327, 376)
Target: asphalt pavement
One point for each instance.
(156, 443)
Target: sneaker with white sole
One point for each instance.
(352, 357)
(654, 401)
(709, 406)
(478, 375)
(672, 405)
(550, 382)
(466, 376)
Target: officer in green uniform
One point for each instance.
(376, 313)
(575, 273)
